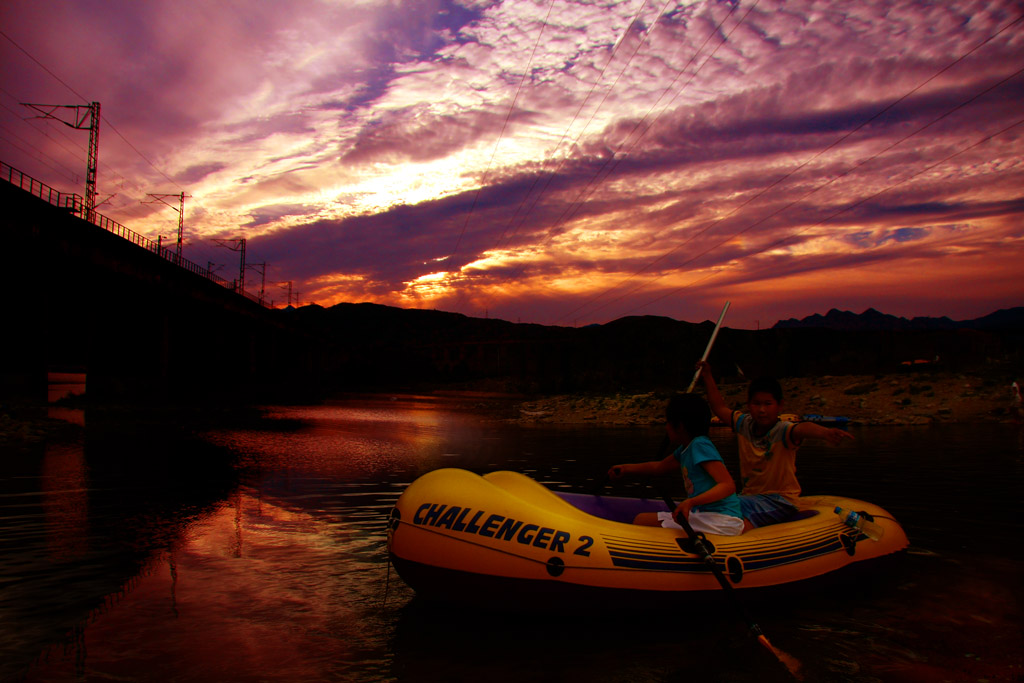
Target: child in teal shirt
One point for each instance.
(712, 505)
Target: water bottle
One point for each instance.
(859, 522)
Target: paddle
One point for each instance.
(707, 349)
(600, 483)
(791, 663)
(698, 540)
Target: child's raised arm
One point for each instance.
(718, 405)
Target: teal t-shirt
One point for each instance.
(698, 451)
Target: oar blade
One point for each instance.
(791, 663)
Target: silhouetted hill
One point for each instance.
(1006, 319)
(374, 347)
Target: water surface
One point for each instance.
(257, 552)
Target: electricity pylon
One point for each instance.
(181, 214)
(262, 267)
(82, 112)
(282, 285)
(237, 244)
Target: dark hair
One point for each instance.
(691, 411)
(769, 385)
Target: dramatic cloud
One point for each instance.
(553, 161)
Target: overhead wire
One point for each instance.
(789, 174)
(616, 158)
(838, 213)
(44, 131)
(504, 125)
(20, 141)
(577, 201)
(827, 183)
(51, 126)
(579, 110)
(86, 100)
(72, 175)
(845, 173)
(43, 66)
(39, 154)
(572, 122)
(103, 118)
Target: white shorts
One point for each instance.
(706, 522)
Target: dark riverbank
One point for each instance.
(26, 423)
(379, 348)
(893, 399)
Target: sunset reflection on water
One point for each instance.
(361, 440)
(65, 500)
(249, 588)
(264, 557)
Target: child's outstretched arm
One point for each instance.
(810, 430)
(718, 405)
(650, 468)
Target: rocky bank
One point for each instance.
(894, 399)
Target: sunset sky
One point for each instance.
(551, 161)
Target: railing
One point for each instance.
(74, 204)
(41, 190)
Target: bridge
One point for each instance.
(144, 324)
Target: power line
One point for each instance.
(44, 68)
(141, 155)
(579, 110)
(615, 159)
(577, 201)
(81, 113)
(43, 131)
(796, 169)
(83, 98)
(14, 144)
(823, 185)
(73, 174)
(832, 216)
(501, 134)
(107, 122)
(46, 132)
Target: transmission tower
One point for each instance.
(82, 112)
(237, 244)
(162, 198)
(262, 267)
(289, 286)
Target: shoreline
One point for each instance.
(891, 399)
(913, 398)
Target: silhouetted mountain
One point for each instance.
(376, 347)
(1006, 319)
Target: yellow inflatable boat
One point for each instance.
(505, 539)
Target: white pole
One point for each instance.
(707, 350)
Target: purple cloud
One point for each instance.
(545, 159)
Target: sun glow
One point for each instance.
(428, 287)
